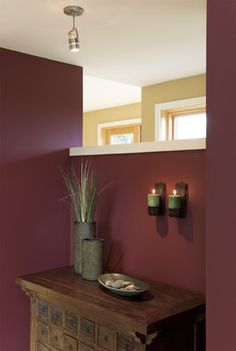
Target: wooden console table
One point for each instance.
(72, 314)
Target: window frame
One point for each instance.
(185, 104)
(134, 129)
(120, 123)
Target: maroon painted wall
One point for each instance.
(41, 116)
(221, 175)
(164, 249)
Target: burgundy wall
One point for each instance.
(167, 249)
(41, 116)
(221, 169)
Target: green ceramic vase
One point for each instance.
(92, 258)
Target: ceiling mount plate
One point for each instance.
(73, 10)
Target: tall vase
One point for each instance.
(82, 230)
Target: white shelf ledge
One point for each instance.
(161, 146)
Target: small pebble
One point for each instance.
(109, 282)
(126, 283)
(118, 284)
(130, 287)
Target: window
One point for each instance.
(122, 138)
(181, 120)
(119, 132)
(121, 135)
(184, 123)
(190, 126)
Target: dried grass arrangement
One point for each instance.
(82, 191)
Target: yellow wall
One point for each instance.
(93, 118)
(179, 89)
(184, 88)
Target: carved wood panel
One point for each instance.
(71, 314)
(67, 331)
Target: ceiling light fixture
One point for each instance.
(73, 36)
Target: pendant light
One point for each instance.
(73, 36)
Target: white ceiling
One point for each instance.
(128, 41)
(102, 93)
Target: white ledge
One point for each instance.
(160, 146)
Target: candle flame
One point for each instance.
(153, 191)
(174, 192)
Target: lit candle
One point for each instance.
(174, 201)
(154, 199)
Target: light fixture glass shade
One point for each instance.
(73, 40)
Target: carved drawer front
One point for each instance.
(71, 344)
(106, 338)
(56, 316)
(43, 309)
(71, 323)
(41, 347)
(57, 338)
(87, 331)
(43, 333)
(83, 347)
(125, 343)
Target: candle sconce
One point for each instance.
(177, 203)
(156, 200)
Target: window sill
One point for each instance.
(160, 146)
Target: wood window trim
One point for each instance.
(174, 104)
(170, 114)
(107, 132)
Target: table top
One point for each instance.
(159, 303)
